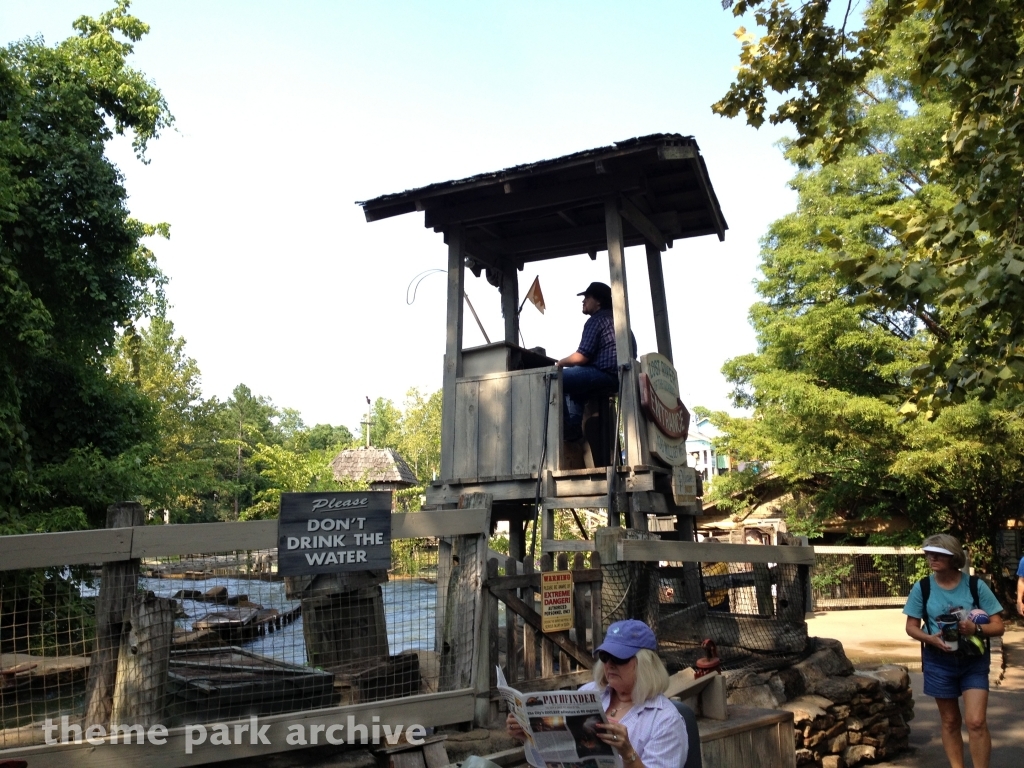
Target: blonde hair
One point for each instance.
(945, 541)
(651, 676)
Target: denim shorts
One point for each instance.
(947, 675)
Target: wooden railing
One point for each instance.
(535, 669)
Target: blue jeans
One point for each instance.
(579, 384)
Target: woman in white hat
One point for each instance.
(949, 674)
(643, 726)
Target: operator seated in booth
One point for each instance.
(592, 369)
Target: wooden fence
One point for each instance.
(128, 545)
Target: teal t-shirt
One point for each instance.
(942, 601)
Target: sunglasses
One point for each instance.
(604, 657)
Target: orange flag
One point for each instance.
(535, 295)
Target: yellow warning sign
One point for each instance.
(556, 601)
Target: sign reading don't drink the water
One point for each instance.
(334, 532)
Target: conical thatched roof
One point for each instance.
(373, 465)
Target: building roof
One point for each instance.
(373, 465)
(555, 207)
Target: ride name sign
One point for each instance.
(334, 532)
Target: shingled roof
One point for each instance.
(555, 207)
(373, 465)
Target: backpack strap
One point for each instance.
(926, 590)
(973, 583)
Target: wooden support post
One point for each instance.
(564, 664)
(658, 301)
(486, 711)
(547, 658)
(453, 349)
(629, 397)
(510, 303)
(529, 634)
(142, 662)
(579, 608)
(596, 624)
(763, 590)
(119, 582)
(511, 634)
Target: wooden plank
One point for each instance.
(831, 550)
(529, 634)
(431, 710)
(567, 545)
(522, 407)
(712, 552)
(643, 225)
(38, 550)
(857, 602)
(495, 452)
(449, 522)
(532, 580)
(596, 621)
(547, 660)
(579, 608)
(509, 288)
(577, 502)
(742, 719)
(453, 349)
(467, 429)
(629, 396)
(556, 195)
(491, 617)
(553, 454)
(511, 634)
(561, 639)
(118, 584)
(158, 540)
(659, 301)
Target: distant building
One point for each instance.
(703, 455)
(383, 468)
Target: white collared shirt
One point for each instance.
(655, 727)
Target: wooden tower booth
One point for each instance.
(502, 408)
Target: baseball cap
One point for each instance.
(939, 550)
(624, 638)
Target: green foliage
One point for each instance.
(954, 260)
(72, 265)
(836, 365)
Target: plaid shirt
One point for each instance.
(656, 730)
(598, 342)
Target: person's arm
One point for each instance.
(994, 628)
(1020, 595)
(576, 358)
(915, 631)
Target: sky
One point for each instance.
(288, 113)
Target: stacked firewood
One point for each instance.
(842, 717)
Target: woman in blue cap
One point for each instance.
(643, 725)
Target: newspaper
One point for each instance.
(560, 727)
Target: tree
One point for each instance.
(832, 372)
(956, 261)
(72, 268)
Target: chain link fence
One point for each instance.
(864, 577)
(216, 636)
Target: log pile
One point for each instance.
(842, 717)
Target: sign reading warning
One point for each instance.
(556, 601)
(334, 532)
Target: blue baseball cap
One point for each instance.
(624, 638)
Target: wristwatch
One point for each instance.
(630, 758)
(978, 631)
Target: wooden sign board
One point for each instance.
(556, 601)
(334, 532)
(684, 485)
(668, 421)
